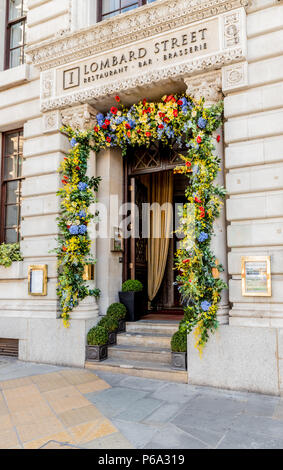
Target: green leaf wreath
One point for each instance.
(175, 120)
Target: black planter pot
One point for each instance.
(134, 303)
(122, 326)
(112, 338)
(96, 353)
(179, 360)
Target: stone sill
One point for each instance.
(15, 271)
(15, 76)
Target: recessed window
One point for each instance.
(11, 186)
(15, 32)
(109, 8)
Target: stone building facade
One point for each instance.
(64, 74)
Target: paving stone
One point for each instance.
(209, 437)
(110, 378)
(141, 383)
(8, 439)
(173, 438)
(175, 393)
(216, 404)
(272, 428)
(94, 386)
(261, 405)
(236, 439)
(77, 376)
(278, 410)
(85, 414)
(15, 383)
(65, 399)
(139, 410)
(138, 434)
(113, 441)
(48, 382)
(32, 414)
(114, 400)
(45, 427)
(5, 422)
(64, 438)
(87, 432)
(163, 414)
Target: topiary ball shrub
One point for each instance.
(117, 311)
(132, 285)
(97, 336)
(109, 323)
(179, 341)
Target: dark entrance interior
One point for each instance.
(145, 170)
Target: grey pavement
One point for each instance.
(152, 414)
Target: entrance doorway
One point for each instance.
(157, 193)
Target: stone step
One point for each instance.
(140, 369)
(140, 353)
(144, 339)
(145, 326)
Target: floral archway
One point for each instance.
(173, 120)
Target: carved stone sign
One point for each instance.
(166, 50)
(182, 51)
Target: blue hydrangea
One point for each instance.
(132, 123)
(184, 101)
(202, 237)
(82, 214)
(202, 123)
(205, 305)
(82, 186)
(74, 230)
(100, 118)
(73, 142)
(82, 229)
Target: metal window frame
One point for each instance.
(3, 192)
(9, 24)
(118, 10)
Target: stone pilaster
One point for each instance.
(209, 86)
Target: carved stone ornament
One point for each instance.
(208, 85)
(149, 20)
(51, 121)
(235, 77)
(81, 117)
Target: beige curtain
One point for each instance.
(160, 228)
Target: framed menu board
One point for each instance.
(256, 276)
(37, 280)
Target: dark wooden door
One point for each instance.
(138, 244)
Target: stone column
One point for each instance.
(209, 86)
(83, 117)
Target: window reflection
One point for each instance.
(110, 8)
(11, 186)
(16, 32)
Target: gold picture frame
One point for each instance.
(37, 280)
(256, 276)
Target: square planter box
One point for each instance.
(122, 326)
(179, 360)
(133, 302)
(96, 353)
(112, 338)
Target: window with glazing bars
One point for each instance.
(12, 157)
(109, 8)
(15, 32)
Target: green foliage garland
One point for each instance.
(175, 120)
(74, 244)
